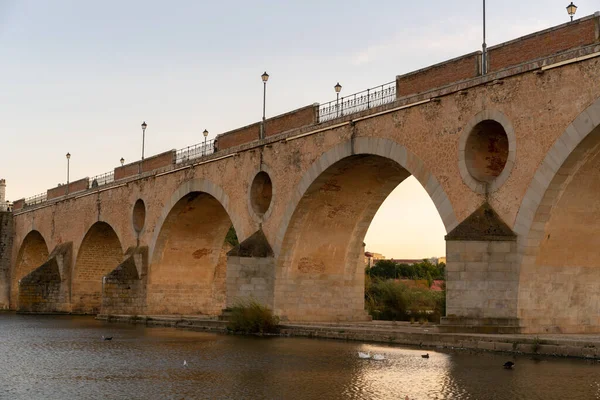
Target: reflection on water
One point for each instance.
(49, 357)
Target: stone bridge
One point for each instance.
(511, 160)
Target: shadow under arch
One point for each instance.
(33, 252)
(100, 252)
(188, 258)
(557, 226)
(320, 253)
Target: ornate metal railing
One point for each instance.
(33, 200)
(356, 102)
(195, 151)
(102, 179)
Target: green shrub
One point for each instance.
(392, 300)
(249, 316)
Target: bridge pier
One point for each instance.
(47, 288)
(251, 272)
(124, 288)
(482, 276)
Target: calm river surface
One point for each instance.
(49, 357)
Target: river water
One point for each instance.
(50, 357)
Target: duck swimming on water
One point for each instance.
(509, 364)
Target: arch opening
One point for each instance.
(261, 193)
(486, 151)
(32, 254)
(322, 256)
(100, 253)
(559, 286)
(139, 215)
(187, 273)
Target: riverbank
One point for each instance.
(401, 333)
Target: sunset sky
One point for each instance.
(80, 77)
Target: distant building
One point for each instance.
(442, 260)
(371, 258)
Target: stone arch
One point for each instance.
(192, 186)
(188, 261)
(474, 184)
(558, 292)
(378, 147)
(100, 252)
(320, 255)
(33, 252)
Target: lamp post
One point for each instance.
(265, 78)
(144, 126)
(483, 47)
(571, 9)
(338, 89)
(68, 167)
(205, 133)
(122, 161)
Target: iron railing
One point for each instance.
(37, 199)
(102, 179)
(356, 102)
(195, 151)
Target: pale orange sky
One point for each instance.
(407, 225)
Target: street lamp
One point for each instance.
(205, 133)
(68, 167)
(144, 125)
(571, 9)
(122, 161)
(338, 89)
(265, 78)
(484, 46)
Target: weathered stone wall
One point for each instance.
(250, 278)
(124, 288)
(99, 254)
(482, 279)
(47, 288)
(32, 254)
(6, 246)
(561, 269)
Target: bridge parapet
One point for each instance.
(526, 49)
(71, 187)
(281, 123)
(148, 164)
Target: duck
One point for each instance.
(185, 363)
(426, 355)
(106, 337)
(364, 355)
(378, 357)
(508, 364)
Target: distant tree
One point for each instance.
(231, 237)
(384, 269)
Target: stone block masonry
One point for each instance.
(250, 278)
(124, 289)
(6, 241)
(47, 289)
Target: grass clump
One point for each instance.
(251, 317)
